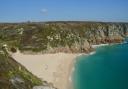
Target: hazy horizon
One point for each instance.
(64, 21)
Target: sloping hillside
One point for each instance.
(14, 76)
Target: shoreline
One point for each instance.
(74, 61)
(54, 68)
(71, 70)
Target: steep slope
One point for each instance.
(15, 76)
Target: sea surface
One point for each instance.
(106, 69)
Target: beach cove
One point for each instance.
(55, 68)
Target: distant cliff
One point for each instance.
(54, 37)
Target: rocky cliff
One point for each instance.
(61, 36)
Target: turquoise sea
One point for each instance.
(106, 69)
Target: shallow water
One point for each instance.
(106, 69)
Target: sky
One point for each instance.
(63, 10)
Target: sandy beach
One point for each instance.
(54, 68)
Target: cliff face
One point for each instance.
(62, 36)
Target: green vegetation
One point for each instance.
(15, 76)
(44, 36)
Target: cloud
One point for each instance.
(44, 11)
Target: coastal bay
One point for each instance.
(49, 50)
(55, 68)
(106, 69)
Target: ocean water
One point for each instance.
(106, 69)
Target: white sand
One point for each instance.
(54, 68)
(95, 46)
